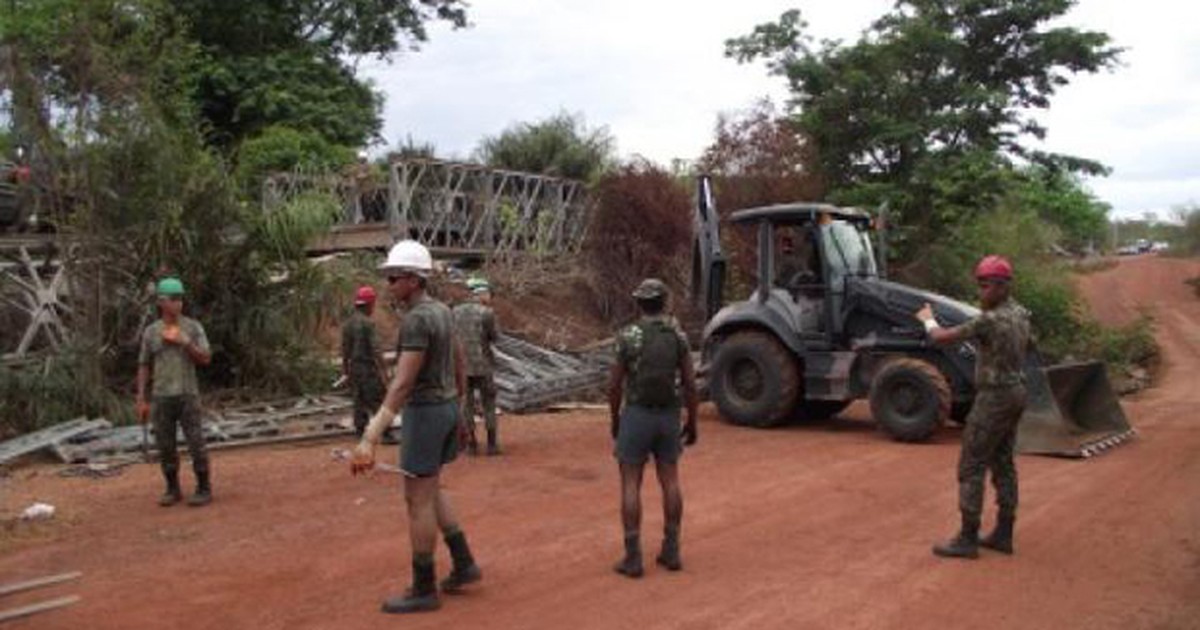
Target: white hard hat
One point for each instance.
(409, 256)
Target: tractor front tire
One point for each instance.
(754, 380)
(910, 399)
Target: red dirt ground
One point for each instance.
(821, 526)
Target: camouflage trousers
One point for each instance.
(485, 387)
(368, 392)
(171, 413)
(988, 441)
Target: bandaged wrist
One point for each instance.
(930, 324)
(380, 422)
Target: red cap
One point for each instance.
(364, 295)
(994, 267)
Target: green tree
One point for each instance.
(1060, 199)
(283, 149)
(116, 137)
(930, 104)
(562, 146)
(289, 62)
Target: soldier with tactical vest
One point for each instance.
(475, 324)
(1001, 337)
(171, 349)
(362, 361)
(430, 377)
(644, 405)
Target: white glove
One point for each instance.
(380, 422)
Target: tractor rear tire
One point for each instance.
(754, 380)
(816, 410)
(910, 399)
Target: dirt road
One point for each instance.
(823, 526)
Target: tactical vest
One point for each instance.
(654, 350)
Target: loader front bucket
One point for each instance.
(1072, 411)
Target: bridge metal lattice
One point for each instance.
(33, 284)
(452, 205)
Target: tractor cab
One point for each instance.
(807, 252)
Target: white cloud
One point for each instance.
(655, 74)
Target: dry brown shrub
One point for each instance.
(642, 227)
(758, 158)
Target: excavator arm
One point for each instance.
(708, 262)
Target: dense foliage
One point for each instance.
(927, 109)
(561, 146)
(110, 95)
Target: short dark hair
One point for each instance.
(652, 306)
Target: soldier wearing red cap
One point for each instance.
(362, 360)
(1001, 337)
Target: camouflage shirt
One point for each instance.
(173, 371)
(1001, 336)
(650, 350)
(360, 343)
(428, 326)
(475, 325)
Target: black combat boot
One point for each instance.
(964, 545)
(173, 494)
(422, 596)
(669, 556)
(465, 570)
(203, 494)
(1001, 538)
(493, 447)
(631, 564)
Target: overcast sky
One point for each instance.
(654, 73)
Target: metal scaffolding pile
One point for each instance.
(529, 377)
(84, 440)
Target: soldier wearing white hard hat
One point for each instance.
(429, 381)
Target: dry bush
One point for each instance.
(757, 159)
(641, 227)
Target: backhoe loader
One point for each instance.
(824, 328)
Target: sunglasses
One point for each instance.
(397, 277)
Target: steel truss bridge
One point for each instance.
(452, 207)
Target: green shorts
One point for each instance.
(646, 430)
(428, 438)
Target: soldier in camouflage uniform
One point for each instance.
(650, 354)
(475, 325)
(171, 349)
(362, 361)
(1001, 336)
